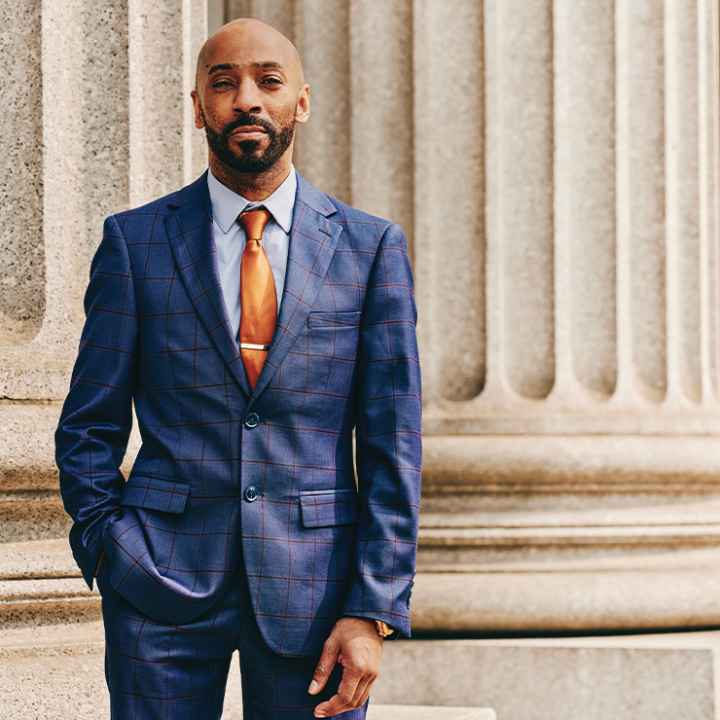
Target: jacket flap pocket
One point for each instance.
(149, 492)
(333, 318)
(331, 507)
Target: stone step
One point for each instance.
(57, 672)
(427, 712)
(41, 584)
(37, 559)
(66, 639)
(623, 677)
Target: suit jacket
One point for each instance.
(223, 469)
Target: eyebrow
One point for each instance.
(267, 65)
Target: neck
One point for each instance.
(253, 186)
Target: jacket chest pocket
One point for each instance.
(332, 335)
(333, 319)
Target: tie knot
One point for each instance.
(253, 222)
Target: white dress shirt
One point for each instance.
(229, 238)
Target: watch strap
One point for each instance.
(384, 630)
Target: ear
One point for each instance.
(197, 110)
(302, 107)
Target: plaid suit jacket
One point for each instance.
(224, 469)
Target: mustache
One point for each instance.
(247, 119)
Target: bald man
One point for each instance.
(256, 322)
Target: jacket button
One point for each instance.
(252, 420)
(251, 493)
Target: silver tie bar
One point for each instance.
(253, 346)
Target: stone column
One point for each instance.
(66, 147)
(166, 151)
(570, 329)
(556, 166)
(100, 121)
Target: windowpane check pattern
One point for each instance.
(230, 477)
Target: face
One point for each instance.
(249, 96)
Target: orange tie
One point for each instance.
(258, 301)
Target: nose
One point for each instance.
(247, 97)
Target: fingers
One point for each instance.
(325, 664)
(353, 690)
(342, 700)
(363, 690)
(364, 697)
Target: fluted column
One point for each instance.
(100, 121)
(381, 126)
(600, 222)
(166, 151)
(556, 166)
(577, 487)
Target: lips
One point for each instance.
(248, 130)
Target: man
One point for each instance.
(255, 321)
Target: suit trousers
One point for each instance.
(179, 672)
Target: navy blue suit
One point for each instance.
(230, 479)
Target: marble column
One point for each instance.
(556, 165)
(99, 121)
(572, 454)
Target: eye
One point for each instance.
(222, 84)
(272, 80)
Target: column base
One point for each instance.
(619, 677)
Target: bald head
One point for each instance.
(258, 41)
(249, 94)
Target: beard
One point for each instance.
(250, 159)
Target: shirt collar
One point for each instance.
(227, 204)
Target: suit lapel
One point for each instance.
(313, 239)
(190, 232)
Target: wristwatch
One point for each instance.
(383, 628)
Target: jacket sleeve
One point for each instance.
(96, 418)
(388, 443)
